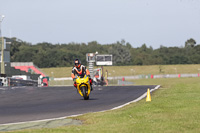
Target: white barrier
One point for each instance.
(143, 76)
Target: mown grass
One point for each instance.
(174, 109)
(129, 70)
(122, 71)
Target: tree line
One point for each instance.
(45, 55)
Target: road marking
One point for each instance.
(7, 124)
(2, 88)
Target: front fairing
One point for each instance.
(83, 82)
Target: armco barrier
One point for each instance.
(20, 82)
(124, 82)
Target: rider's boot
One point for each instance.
(91, 84)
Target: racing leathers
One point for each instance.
(81, 71)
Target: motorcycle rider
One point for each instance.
(80, 70)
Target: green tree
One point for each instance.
(190, 43)
(121, 54)
(60, 55)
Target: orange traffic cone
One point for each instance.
(148, 99)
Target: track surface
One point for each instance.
(28, 103)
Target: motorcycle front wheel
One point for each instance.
(84, 92)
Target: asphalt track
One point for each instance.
(20, 104)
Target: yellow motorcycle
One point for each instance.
(83, 86)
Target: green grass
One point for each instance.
(129, 70)
(122, 71)
(174, 109)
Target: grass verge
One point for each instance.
(174, 108)
(129, 70)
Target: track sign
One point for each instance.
(103, 60)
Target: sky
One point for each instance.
(154, 22)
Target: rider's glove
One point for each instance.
(74, 79)
(88, 76)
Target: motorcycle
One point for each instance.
(83, 86)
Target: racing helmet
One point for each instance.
(77, 63)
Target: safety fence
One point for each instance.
(20, 82)
(151, 76)
(5, 81)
